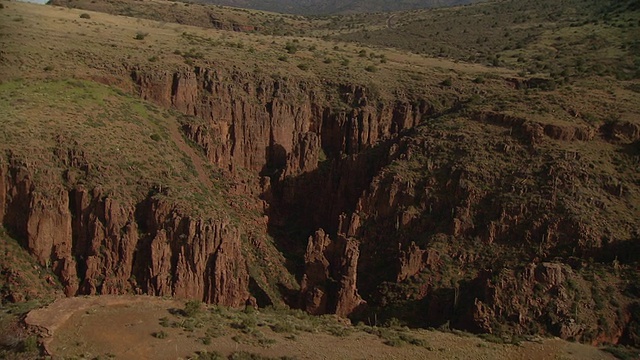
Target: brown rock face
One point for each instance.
(329, 282)
(98, 246)
(264, 124)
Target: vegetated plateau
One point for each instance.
(470, 168)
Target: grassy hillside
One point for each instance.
(319, 7)
(580, 38)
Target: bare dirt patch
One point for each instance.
(143, 327)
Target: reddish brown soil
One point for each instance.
(123, 326)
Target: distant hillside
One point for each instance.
(323, 7)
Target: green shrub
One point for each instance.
(371, 68)
(29, 345)
(303, 66)
(192, 308)
(85, 16)
(205, 355)
(291, 48)
(491, 338)
(283, 327)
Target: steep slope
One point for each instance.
(394, 185)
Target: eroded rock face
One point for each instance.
(330, 169)
(330, 278)
(98, 246)
(265, 124)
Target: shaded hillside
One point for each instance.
(368, 182)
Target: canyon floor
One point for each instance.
(143, 327)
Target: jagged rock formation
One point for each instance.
(96, 245)
(329, 282)
(431, 213)
(402, 209)
(267, 125)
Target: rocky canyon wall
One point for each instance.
(96, 245)
(459, 223)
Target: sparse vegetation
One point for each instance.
(192, 308)
(160, 334)
(141, 35)
(514, 176)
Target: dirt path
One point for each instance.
(124, 326)
(390, 24)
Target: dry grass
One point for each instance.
(118, 143)
(125, 327)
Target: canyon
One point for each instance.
(336, 197)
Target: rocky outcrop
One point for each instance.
(330, 276)
(97, 245)
(268, 125)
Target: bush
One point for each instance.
(205, 355)
(29, 345)
(283, 327)
(85, 16)
(303, 66)
(479, 80)
(140, 35)
(291, 48)
(192, 308)
(446, 82)
(371, 68)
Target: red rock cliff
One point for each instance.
(99, 246)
